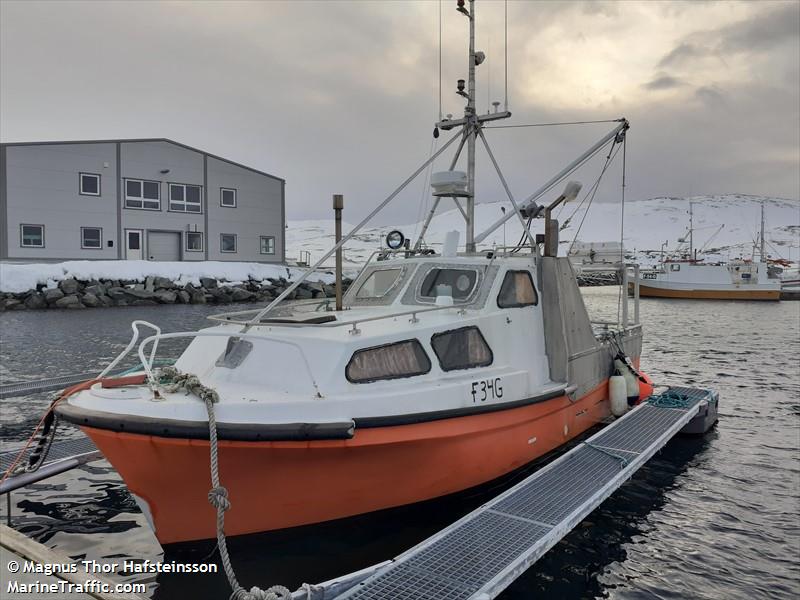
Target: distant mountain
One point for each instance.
(647, 225)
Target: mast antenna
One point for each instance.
(505, 60)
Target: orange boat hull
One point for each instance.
(274, 485)
(742, 294)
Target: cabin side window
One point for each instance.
(674, 267)
(517, 290)
(392, 361)
(458, 283)
(463, 348)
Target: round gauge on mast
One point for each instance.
(395, 239)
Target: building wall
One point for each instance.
(146, 160)
(258, 212)
(40, 186)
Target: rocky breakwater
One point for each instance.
(77, 294)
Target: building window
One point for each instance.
(267, 244)
(91, 238)
(194, 241)
(142, 194)
(227, 197)
(392, 361)
(185, 198)
(517, 290)
(32, 236)
(89, 184)
(462, 348)
(227, 242)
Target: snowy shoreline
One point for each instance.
(98, 284)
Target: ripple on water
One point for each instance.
(708, 518)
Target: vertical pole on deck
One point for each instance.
(338, 206)
(624, 295)
(8, 509)
(636, 294)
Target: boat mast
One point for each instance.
(471, 131)
(691, 232)
(763, 241)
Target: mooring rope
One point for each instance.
(670, 399)
(172, 380)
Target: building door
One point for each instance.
(133, 244)
(164, 245)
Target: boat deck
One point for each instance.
(480, 555)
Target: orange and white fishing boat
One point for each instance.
(438, 371)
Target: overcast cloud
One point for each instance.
(340, 97)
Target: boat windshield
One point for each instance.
(458, 283)
(379, 283)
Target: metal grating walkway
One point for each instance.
(480, 555)
(59, 450)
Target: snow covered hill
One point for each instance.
(647, 225)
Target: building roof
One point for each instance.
(132, 140)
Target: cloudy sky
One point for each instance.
(340, 97)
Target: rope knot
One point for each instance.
(218, 497)
(276, 592)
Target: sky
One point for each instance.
(341, 96)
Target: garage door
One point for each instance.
(163, 245)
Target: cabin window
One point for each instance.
(379, 283)
(463, 348)
(392, 361)
(674, 267)
(458, 283)
(517, 290)
(89, 184)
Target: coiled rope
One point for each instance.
(670, 399)
(172, 380)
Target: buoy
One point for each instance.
(631, 381)
(618, 394)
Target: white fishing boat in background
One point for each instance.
(690, 277)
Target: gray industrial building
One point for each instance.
(151, 199)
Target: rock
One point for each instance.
(165, 296)
(208, 282)
(97, 289)
(143, 302)
(148, 283)
(69, 301)
(13, 304)
(69, 286)
(240, 295)
(36, 301)
(198, 297)
(117, 294)
(302, 293)
(105, 301)
(184, 297)
(52, 295)
(138, 294)
(90, 300)
(163, 282)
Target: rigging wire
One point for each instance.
(425, 198)
(552, 124)
(612, 154)
(622, 227)
(505, 59)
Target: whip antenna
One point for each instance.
(505, 60)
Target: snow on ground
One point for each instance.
(648, 224)
(23, 277)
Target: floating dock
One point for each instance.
(480, 555)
